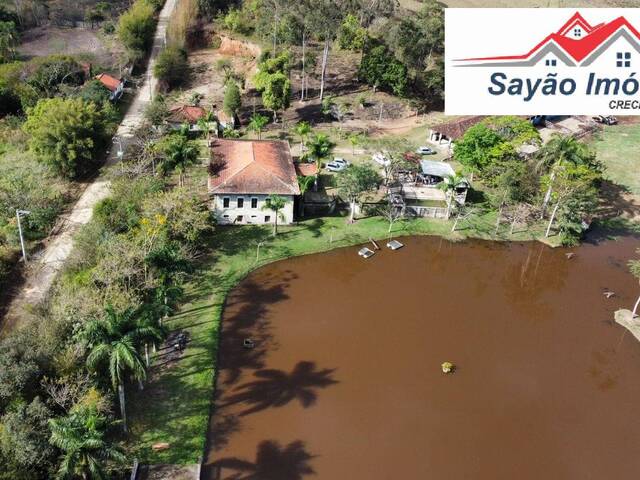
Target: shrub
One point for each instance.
(94, 91)
(351, 36)
(171, 66)
(66, 134)
(232, 100)
(380, 69)
(136, 28)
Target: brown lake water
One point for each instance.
(345, 379)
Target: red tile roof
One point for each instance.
(108, 81)
(254, 166)
(457, 128)
(306, 169)
(186, 114)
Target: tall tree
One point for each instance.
(275, 203)
(232, 99)
(113, 345)
(257, 123)
(320, 149)
(178, 154)
(355, 181)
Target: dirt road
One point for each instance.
(46, 265)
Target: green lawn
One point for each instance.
(174, 406)
(618, 148)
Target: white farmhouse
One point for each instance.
(244, 173)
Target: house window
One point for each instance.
(577, 32)
(254, 203)
(267, 218)
(239, 218)
(550, 62)
(623, 59)
(240, 202)
(225, 202)
(226, 216)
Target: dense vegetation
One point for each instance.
(559, 182)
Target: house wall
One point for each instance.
(249, 216)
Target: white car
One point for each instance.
(381, 159)
(425, 151)
(338, 165)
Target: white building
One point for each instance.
(244, 173)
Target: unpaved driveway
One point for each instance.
(49, 261)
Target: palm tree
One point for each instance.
(320, 148)
(179, 153)
(558, 150)
(303, 129)
(304, 183)
(275, 203)
(256, 123)
(204, 123)
(114, 341)
(449, 186)
(80, 436)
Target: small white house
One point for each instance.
(244, 173)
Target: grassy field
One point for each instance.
(174, 407)
(618, 148)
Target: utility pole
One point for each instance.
(258, 251)
(19, 214)
(120, 152)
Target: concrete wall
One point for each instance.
(247, 214)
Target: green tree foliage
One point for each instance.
(381, 70)
(355, 181)
(351, 36)
(257, 122)
(275, 203)
(24, 437)
(171, 67)
(232, 98)
(156, 111)
(86, 452)
(8, 41)
(28, 185)
(276, 95)
(48, 74)
(66, 134)
(136, 28)
(480, 146)
(178, 153)
(94, 91)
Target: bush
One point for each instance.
(351, 36)
(66, 134)
(232, 100)
(94, 91)
(136, 28)
(171, 67)
(48, 73)
(380, 69)
(236, 21)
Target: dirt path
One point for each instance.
(46, 265)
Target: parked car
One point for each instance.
(340, 160)
(425, 151)
(337, 166)
(608, 120)
(381, 159)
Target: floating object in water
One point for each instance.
(448, 367)
(609, 294)
(569, 255)
(248, 343)
(366, 252)
(394, 245)
(375, 245)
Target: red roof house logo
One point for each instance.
(576, 43)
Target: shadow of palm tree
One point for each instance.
(276, 388)
(273, 462)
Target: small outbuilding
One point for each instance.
(113, 84)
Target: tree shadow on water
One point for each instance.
(276, 388)
(272, 462)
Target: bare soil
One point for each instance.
(50, 40)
